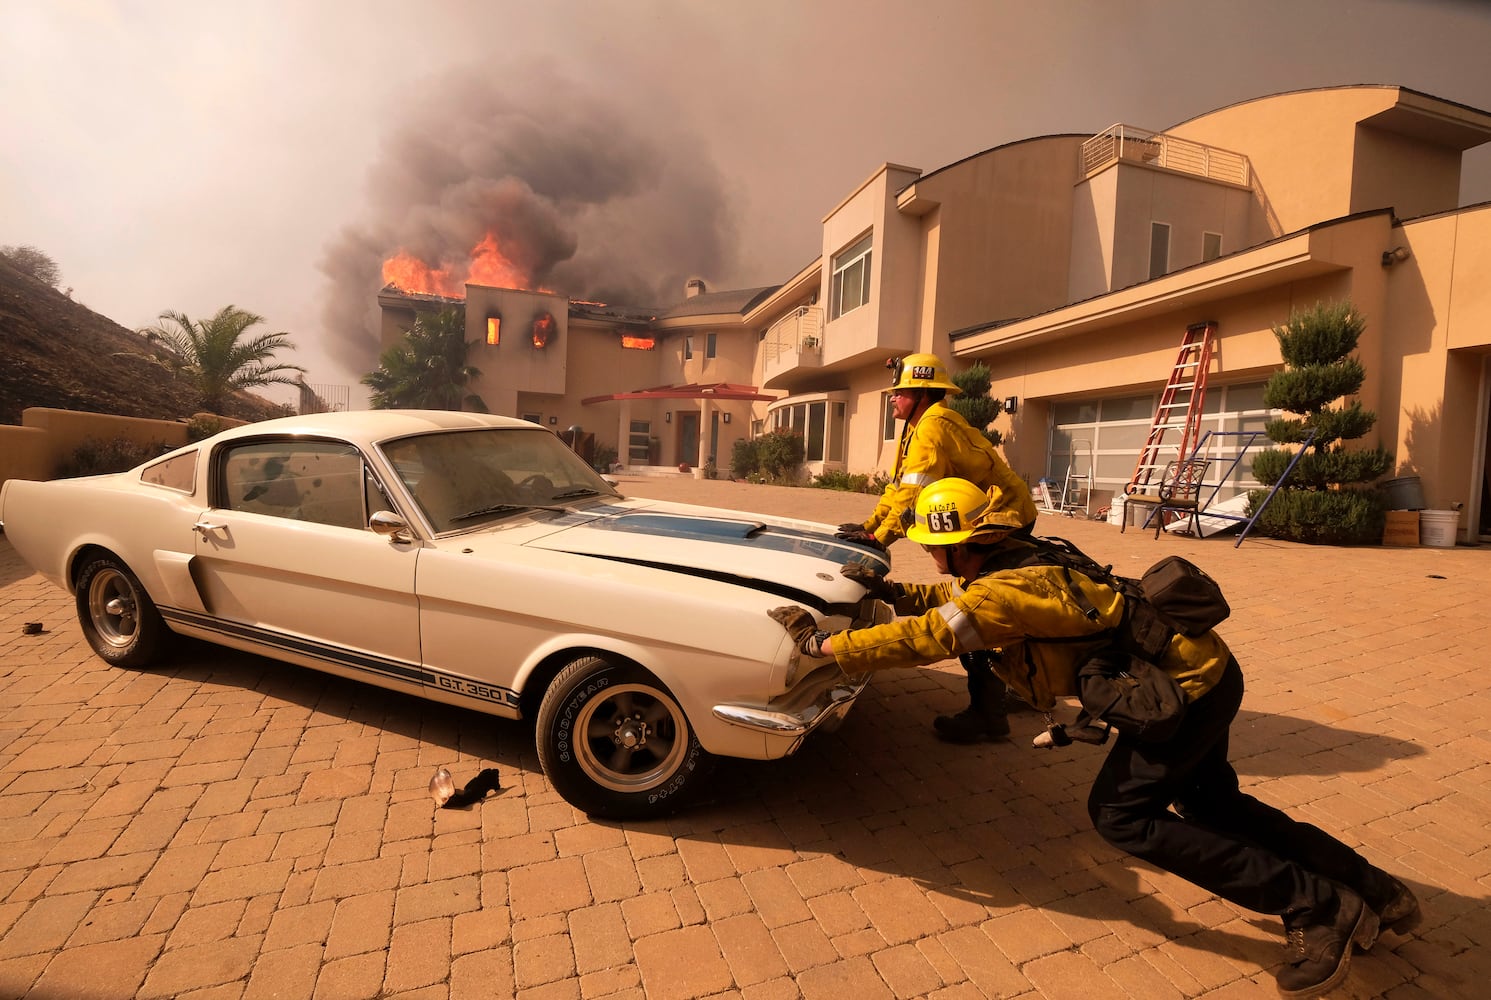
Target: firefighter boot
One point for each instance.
(1394, 903)
(1319, 945)
(984, 719)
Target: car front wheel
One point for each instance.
(615, 743)
(119, 620)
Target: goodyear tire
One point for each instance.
(614, 742)
(119, 620)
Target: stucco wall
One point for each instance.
(1300, 146)
(46, 437)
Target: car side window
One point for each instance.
(319, 481)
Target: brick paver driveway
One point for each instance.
(226, 826)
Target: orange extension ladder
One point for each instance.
(1179, 409)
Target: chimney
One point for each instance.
(695, 286)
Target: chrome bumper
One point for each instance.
(817, 702)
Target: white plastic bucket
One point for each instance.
(1438, 528)
(1115, 509)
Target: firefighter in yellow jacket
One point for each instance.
(936, 443)
(1041, 618)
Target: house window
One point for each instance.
(709, 345)
(1211, 246)
(533, 418)
(1159, 249)
(688, 348)
(851, 278)
(638, 441)
(821, 424)
(888, 418)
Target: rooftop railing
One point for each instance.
(1125, 142)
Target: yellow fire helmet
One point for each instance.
(920, 371)
(951, 511)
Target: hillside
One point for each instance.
(57, 352)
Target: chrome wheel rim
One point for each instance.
(113, 608)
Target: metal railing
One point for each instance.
(800, 330)
(1125, 142)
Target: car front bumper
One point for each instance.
(821, 701)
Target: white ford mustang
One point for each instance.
(473, 560)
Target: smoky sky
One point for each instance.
(590, 197)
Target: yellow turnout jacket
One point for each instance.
(1009, 612)
(939, 445)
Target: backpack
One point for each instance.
(1173, 596)
(1124, 685)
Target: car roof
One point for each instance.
(373, 425)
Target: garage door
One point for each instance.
(1103, 437)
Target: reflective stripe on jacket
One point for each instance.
(1000, 612)
(939, 445)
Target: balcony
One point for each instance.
(1127, 143)
(794, 342)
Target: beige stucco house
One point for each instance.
(1072, 266)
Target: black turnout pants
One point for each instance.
(1219, 838)
(985, 689)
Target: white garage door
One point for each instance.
(1102, 438)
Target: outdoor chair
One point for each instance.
(1180, 491)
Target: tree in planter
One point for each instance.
(1324, 501)
(427, 370)
(974, 404)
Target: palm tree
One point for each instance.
(214, 354)
(428, 370)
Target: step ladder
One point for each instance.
(1076, 492)
(1177, 418)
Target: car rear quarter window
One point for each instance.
(179, 472)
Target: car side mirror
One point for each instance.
(390, 526)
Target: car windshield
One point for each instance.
(466, 478)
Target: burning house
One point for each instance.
(638, 384)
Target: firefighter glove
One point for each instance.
(875, 585)
(801, 626)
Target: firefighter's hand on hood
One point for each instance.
(875, 585)
(802, 627)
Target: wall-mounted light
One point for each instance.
(1394, 256)
(668, 417)
(727, 418)
(553, 420)
(1011, 404)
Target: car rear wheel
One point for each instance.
(119, 620)
(615, 743)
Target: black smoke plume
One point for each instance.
(591, 198)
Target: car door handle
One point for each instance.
(203, 528)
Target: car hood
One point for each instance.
(779, 555)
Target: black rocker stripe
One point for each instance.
(401, 670)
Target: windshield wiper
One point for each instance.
(503, 508)
(575, 494)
